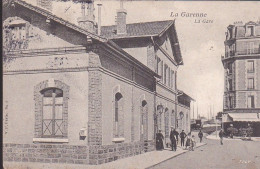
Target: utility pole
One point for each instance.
(197, 108)
(193, 110)
(216, 123)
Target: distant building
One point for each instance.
(242, 76)
(183, 117)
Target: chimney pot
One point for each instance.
(99, 18)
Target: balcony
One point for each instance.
(253, 51)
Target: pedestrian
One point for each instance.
(200, 134)
(159, 140)
(221, 135)
(173, 139)
(193, 142)
(176, 133)
(188, 140)
(182, 136)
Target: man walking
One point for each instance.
(173, 139)
(200, 134)
(176, 133)
(221, 135)
(182, 136)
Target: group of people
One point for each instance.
(174, 138)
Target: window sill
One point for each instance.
(116, 140)
(50, 140)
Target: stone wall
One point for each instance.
(109, 153)
(46, 153)
(73, 154)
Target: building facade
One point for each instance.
(85, 94)
(242, 74)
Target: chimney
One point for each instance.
(87, 22)
(99, 18)
(121, 19)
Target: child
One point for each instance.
(188, 141)
(192, 142)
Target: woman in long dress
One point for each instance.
(159, 140)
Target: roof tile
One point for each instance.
(136, 29)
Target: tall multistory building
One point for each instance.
(242, 76)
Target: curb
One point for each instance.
(174, 156)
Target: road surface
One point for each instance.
(234, 154)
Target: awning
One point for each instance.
(245, 117)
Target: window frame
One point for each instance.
(249, 87)
(53, 120)
(252, 101)
(38, 98)
(249, 66)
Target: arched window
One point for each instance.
(143, 121)
(51, 109)
(172, 118)
(181, 115)
(159, 117)
(166, 121)
(118, 116)
(52, 117)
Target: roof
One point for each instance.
(244, 117)
(76, 28)
(181, 93)
(57, 19)
(240, 29)
(142, 29)
(146, 29)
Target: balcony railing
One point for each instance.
(253, 51)
(249, 51)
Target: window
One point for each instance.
(165, 74)
(229, 68)
(230, 101)
(172, 118)
(118, 116)
(251, 83)
(250, 48)
(166, 119)
(172, 79)
(250, 102)
(231, 33)
(250, 66)
(143, 121)
(230, 84)
(169, 77)
(158, 66)
(52, 112)
(250, 30)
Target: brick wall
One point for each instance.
(151, 61)
(95, 102)
(46, 153)
(108, 153)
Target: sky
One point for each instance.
(202, 44)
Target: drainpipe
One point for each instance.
(155, 110)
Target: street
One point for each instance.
(234, 154)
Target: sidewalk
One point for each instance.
(135, 162)
(214, 137)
